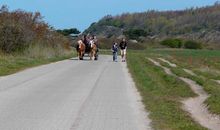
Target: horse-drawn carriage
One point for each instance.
(90, 49)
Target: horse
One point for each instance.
(93, 51)
(81, 49)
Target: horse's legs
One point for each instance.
(82, 54)
(92, 57)
(78, 55)
(122, 56)
(94, 54)
(90, 54)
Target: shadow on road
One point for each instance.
(76, 59)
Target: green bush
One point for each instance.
(135, 33)
(192, 45)
(173, 43)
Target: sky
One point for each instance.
(81, 13)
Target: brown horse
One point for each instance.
(93, 51)
(81, 49)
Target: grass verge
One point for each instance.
(205, 79)
(161, 94)
(10, 64)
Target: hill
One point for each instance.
(200, 24)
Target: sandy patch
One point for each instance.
(167, 70)
(168, 62)
(190, 72)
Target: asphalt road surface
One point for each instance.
(72, 95)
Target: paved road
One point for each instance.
(72, 95)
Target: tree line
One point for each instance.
(197, 23)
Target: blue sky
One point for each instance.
(81, 13)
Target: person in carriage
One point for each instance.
(86, 41)
(90, 46)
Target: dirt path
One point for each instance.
(198, 109)
(195, 106)
(218, 81)
(174, 65)
(190, 72)
(167, 70)
(168, 62)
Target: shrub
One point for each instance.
(192, 45)
(135, 33)
(173, 43)
(20, 29)
(11, 38)
(68, 32)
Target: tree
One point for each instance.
(173, 43)
(135, 33)
(68, 32)
(4, 8)
(192, 45)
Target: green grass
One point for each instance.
(10, 64)
(210, 74)
(203, 78)
(161, 94)
(192, 58)
(201, 62)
